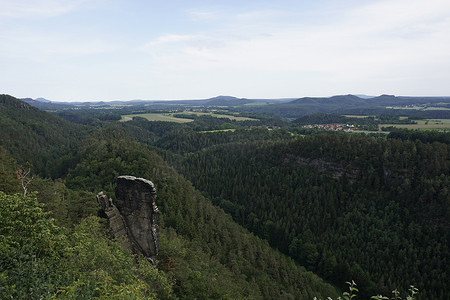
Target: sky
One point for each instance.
(104, 50)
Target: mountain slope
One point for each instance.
(31, 135)
(234, 264)
(227, 101)
(347, 104)
(203, 252)
(370, 209)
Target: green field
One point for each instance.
(156, 117)
(219, 130)
(430, 124)
(237, 118)
(417, 107)
(356, 116)
(169, 117)
(257, 103)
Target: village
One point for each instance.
(332, 127)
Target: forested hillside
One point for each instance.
(34, 136)
(54, 246)
(251, 212)
(351, 104)
(345, 206)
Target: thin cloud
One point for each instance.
(80, 49)
(37, 8)
(271, 50)
(354, 46)
(261, 15)
(402, 18)
(167, 39)
(202, 15)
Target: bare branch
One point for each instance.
(25, 180)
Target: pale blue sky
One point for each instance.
(80, 50)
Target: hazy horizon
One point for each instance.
(362, 96)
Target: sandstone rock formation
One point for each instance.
(134, 216)
(116, 222)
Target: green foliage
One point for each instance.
(91, 117)
(341, 205)
(24, 224)
(30, 248)
(34, 136)
(196, 274)
(103, 269)
(428, 136)
(349, 206)
(184, 141)
(41, 260)
(353, 293)
(8, 179)
(208, 253)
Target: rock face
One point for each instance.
(115, 219)
(135, 214)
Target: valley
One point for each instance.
(254, 204)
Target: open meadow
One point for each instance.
(166, 117)
(171, 117)
(429, 124)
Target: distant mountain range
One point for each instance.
(287, 107)
(215, 101)
(351, 104)
(43, 100)
(46, 104)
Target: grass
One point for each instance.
(169, 117)
(419, 107)
(237, 118)
(218, 130)
(356, 116)
(257, 103)
(437, 108)
(156, 117)
(430, 124)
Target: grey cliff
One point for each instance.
(134, 215)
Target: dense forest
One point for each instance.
(54, 245)
(253, 212)
(372, 209)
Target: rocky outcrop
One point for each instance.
(136, 203)
(116, 222)
(134, 215)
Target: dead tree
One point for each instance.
(23, 175)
